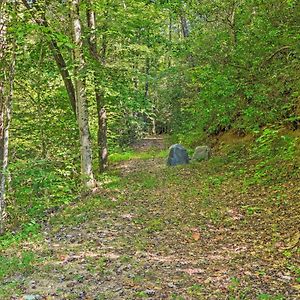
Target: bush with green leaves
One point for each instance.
(38, 187)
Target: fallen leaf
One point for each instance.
(63, 257)
(196, 236)
(193, 271)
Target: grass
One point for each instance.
(130, 155)
(15, 264)
(195, 290)
(6, 289)
(15, 267)
(83, 211)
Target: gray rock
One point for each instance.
(32, 297)
(177, 156)
(202, 153)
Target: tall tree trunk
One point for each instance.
(81, 100)
(184, 25)
(146, 94)
(39, 18)
(7, 60)
(147, 74)
(231, 20)
(100, 100)
(2, 101)
(170, 41)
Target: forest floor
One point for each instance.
(199, 231)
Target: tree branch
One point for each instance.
(60, 62)
(284, 48)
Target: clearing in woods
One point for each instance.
(190, 232)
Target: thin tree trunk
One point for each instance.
(100, 100)
(5, 142)
(147, 73)
(81, 100)
(2, 192)
(3, 45)
(170, 41)
(184, 25)
(232, 25)
(135, 78)
(153, 125)
(6, 54)
(146, 93)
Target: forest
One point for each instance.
(92, 95)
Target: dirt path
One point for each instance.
(157, 142)
(161, 233)
(147, 144)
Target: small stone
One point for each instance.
(33, 285)
(82, 295)
(54, 295)
(32, 297)
(286, 278)
(150, 292)
(118, 288)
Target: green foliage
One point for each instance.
(276, 157)
(13, 265)
(154, 225)
(271, 143)
(82, 211)
(38, 187)
(129, 155)
(240, 75)
(195, 290)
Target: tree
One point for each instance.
(7, 64)
(80, 96)
(98, 62)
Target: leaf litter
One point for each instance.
(170, 233)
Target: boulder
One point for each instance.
(177, 156)
(202, 153)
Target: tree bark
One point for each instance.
(170, 40)
(184, 25)
(147, 74)
(231, 21)
(7, 59)
(100, 100)
(2, 100)
(81, 99)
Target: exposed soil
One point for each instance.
(157, 142)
